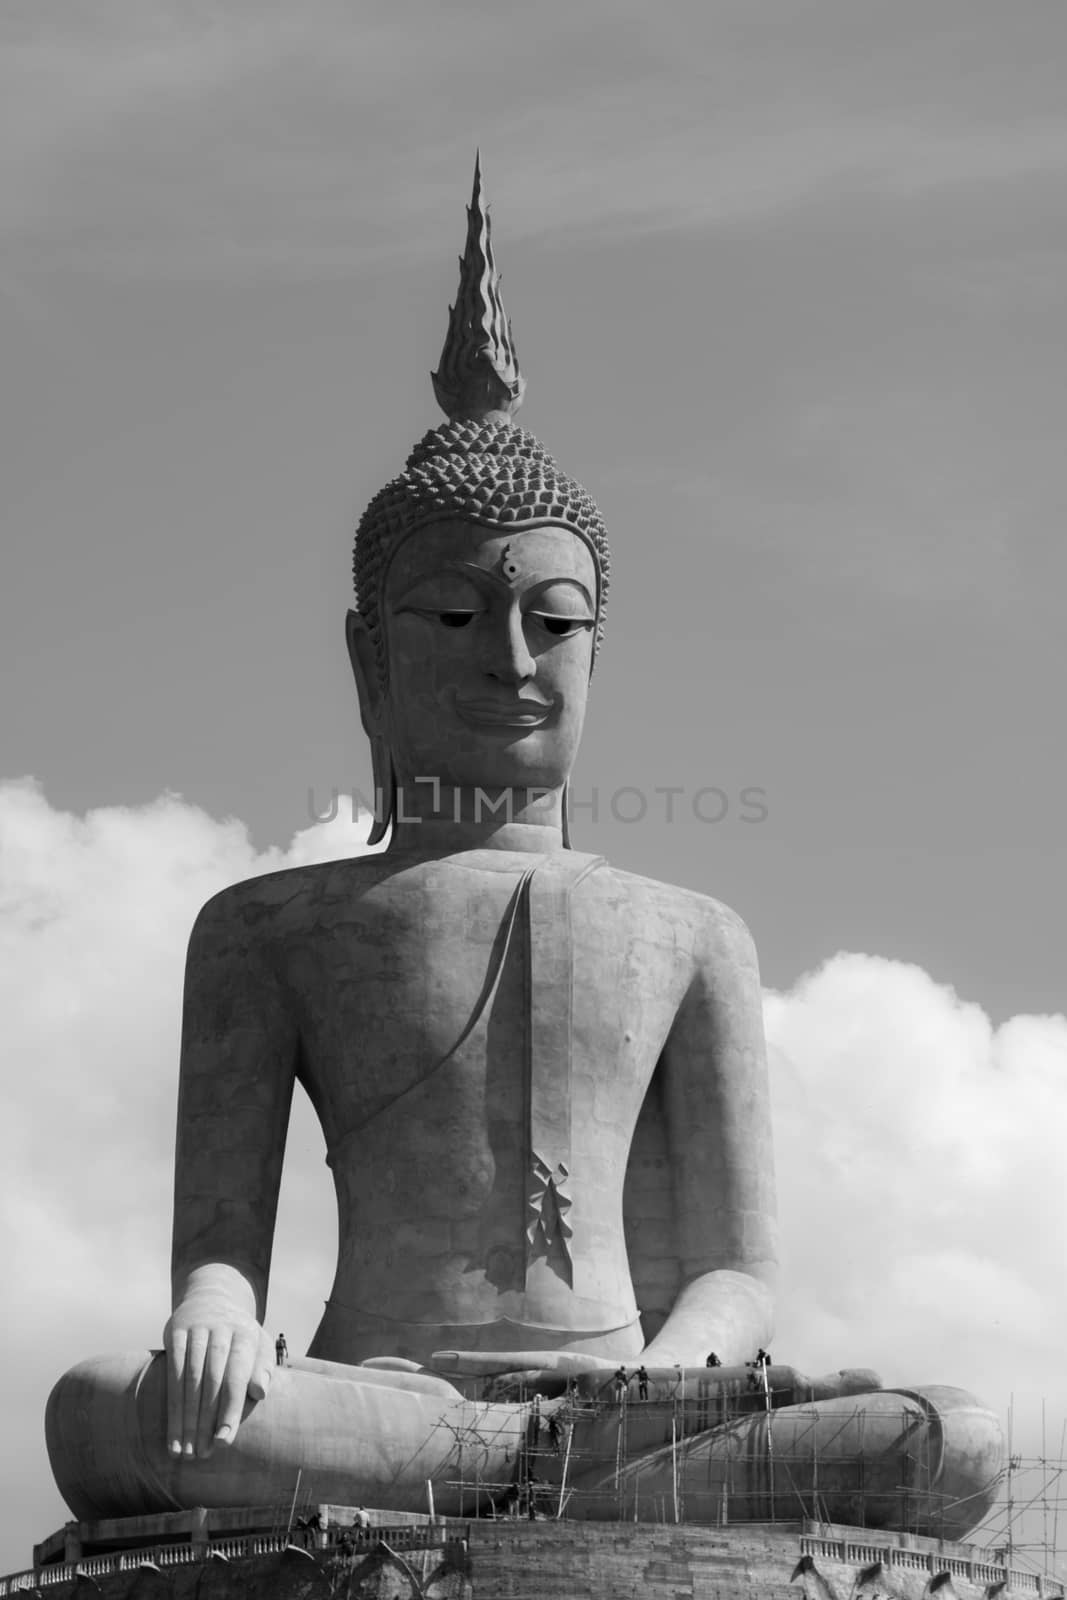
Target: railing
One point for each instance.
(853, 1554)
(352, 1540)
(330, 1541)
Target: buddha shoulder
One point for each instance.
(284, 902)
(272, 910)
(692, 922)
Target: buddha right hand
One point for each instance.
(218, 1359)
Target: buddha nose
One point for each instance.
(508, 657)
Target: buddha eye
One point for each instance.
(561, 627)
(455, 619)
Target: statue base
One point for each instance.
(243, 1553)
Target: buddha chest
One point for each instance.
(478, 1040)
(452, 981)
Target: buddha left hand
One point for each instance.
(218, 1359)
(723, 1310)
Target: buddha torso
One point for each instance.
(410, 984)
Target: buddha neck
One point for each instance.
(439, 819)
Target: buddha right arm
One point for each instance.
(239, 1050)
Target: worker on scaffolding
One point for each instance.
(758, 1372)
(622, 1385)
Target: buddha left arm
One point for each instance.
(719, 1135)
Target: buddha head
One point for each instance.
(480, 575)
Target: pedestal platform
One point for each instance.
(255, 1554)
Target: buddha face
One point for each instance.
(489, 645)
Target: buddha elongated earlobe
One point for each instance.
(383, 776)
(374, 716)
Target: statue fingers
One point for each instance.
(195, 1353)
(243, 1375)
(174, 1340)
(262, 1369)
(215, 1364)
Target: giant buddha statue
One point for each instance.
(541, 1080)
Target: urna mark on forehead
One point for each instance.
(510, 559)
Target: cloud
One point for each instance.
(918, 1147)
(920, 1176)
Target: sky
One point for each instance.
(787, 284)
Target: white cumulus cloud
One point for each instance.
(920, 1175)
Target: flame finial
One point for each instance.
(478, 377)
